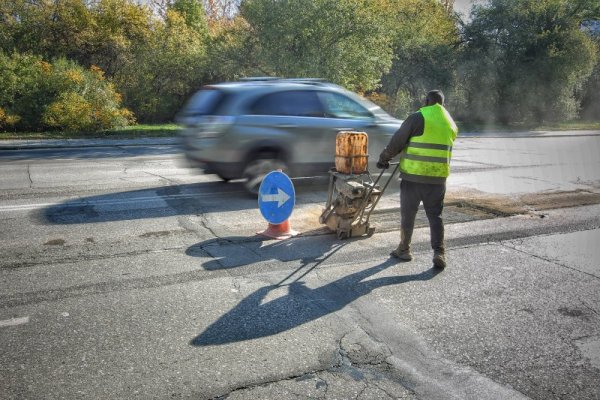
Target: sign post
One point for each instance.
(276, 200)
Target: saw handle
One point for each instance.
(380, 195)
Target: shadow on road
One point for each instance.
(237, 251)
(257, 316)
(162, 201)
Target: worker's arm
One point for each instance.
(412, 126)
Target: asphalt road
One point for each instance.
(125, 274)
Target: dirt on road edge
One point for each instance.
(503, 206)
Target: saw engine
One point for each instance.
(350, 200)
(352, 194)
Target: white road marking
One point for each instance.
(108, 202)
(14, 322)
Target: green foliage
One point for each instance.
(117, 28)
(341, 40)
(62, 95)
(25, 90)
(515, 61)
(85, 100)
(425, 38)
(193, 13)
(47, 28)
(231, 52)
(165, 69)
(590, 94)
(154, 62)
(524, 60)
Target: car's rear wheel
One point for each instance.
(259, 166)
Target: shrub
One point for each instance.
(24, 91)
(85, 100)
(7, 120)
(38, 95)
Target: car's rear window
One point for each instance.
(205, 102)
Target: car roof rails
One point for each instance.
(309, 81)
(259, 79)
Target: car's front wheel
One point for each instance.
(224, 178)
(259, 166)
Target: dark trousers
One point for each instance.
(432, 196)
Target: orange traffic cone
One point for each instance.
(279, 231)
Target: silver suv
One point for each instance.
(246, 129)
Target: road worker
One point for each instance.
(424, 142)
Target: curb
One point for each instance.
(17, 144)
(528, 134)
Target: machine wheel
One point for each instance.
(342, 235)
(256, 169)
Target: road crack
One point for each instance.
(79, 258)
(22, 299)
(588, 307)
(169, 181)
(29, 176)
(343, 378)
(550, 260)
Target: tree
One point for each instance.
(448, 5)
(218, 10)
(590, 93)
(165, 69)
(101, 33)
(155, 62)
(47, 28)
(524, 60)
(232, 51)
(192, 12)
(340, 40)
(424, 37)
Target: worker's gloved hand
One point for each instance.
(383, 164)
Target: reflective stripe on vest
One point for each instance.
(429, 154)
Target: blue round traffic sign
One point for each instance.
(276, 197)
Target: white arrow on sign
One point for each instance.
(281, 197)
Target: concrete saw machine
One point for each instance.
(353, 194)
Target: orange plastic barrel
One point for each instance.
(351, 152)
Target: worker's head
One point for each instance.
(434, 97)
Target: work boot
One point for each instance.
(439, 260)
(401, 253)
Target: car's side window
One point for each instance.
(340, 106)
(293, 103)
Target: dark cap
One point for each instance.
(435, 96)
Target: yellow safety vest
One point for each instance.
(429, 155)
